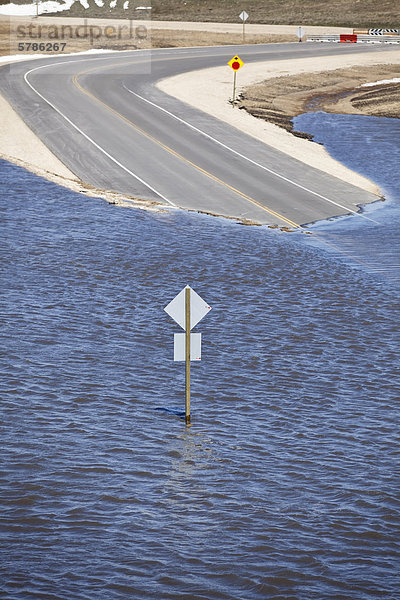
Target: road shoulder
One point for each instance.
(18, 144)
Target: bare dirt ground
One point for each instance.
(279, 99)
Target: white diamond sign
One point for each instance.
(300, 33)
(243, 15)
(198, 308)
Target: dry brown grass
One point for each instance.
(157, 38)
(279, 99)
(4, 38)
(161, 38)
(346, 13)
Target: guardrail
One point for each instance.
(352, 39)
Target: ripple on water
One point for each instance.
(369, 242)
(285, 486)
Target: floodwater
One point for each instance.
(286, 486)
(370, 146)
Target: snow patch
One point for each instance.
(381, 82)
(27, 10)
(49, 6)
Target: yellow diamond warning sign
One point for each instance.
(235, 63)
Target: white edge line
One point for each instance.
(298, 185)
(84, 134)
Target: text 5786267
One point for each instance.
(41, 46)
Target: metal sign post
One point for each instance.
(187, 355)
(244, 16)
(187, 309)
(235, 64)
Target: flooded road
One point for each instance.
(286, 486)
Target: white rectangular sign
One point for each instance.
(180, 346)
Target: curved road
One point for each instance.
(104, 118)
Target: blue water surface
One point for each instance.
(286, 486)
(371, 147)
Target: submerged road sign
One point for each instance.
(187, 309)
(180, 346)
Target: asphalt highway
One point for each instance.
(104, 118)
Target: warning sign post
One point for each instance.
(235, 64)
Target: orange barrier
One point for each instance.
(348, 37)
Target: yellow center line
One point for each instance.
(173, 152)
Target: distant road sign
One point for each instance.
(236, 63)
(300, 33)
(198, 308)
(243, 15)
